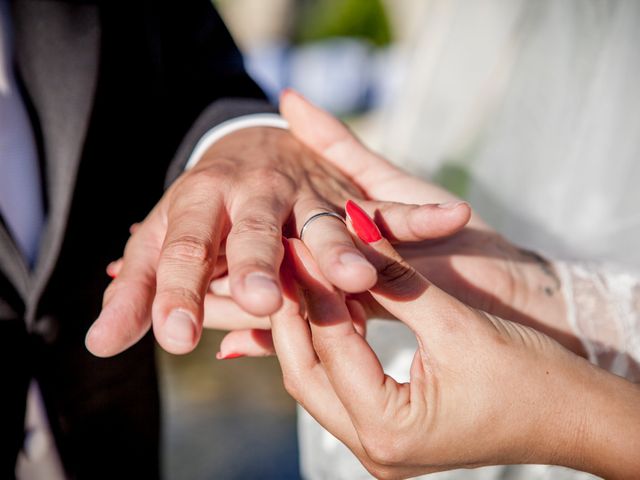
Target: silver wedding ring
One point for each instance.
(317, 216)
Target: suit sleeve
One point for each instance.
(205, 79)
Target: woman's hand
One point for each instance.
(477, 265)
(482, 391)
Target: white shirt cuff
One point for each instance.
(225, 128)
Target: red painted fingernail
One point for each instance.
(110, 270)
(362, 224)
(229, 356)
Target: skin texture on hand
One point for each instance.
(474, 377)
(476, 264)
(241, 193)
(227, 216)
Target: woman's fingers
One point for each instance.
(352, 367)
(304, 376)
(377, 177)
(246, 343)
(400, 289)
(332, 140)
(413, 223)
(223, 313)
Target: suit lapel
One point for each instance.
(12, 263)
(57, 49)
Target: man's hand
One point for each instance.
(227, 214)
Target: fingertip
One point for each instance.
(92, 340)
(229, 356)
(433, 221)
(363, 225)
(101, 341)
(179, 333)
(113, 269)
(460, 209)
(246, 343)
(291, 98)
(258, 293)
(288, 93)
(355, 276)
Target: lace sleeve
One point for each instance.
(603, 305)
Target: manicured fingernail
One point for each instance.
(366, 230)
(259, 281)
(450, 205)
(289, 91)
(180, 328)
(229, 356)
(350, 258)
(111, 270)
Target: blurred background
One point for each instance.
(232, 419)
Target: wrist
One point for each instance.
(611, 441)
(229, 127)
(593, 423)
(251, 142)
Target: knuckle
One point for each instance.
(221, 169)
(190, 249)
(323, 348)
(183, 294)
(396, 275)
(328, 345)
(382, 472)
(256, 225)
(274, 177)
(384, 449)
(292, 385)
(204, 182)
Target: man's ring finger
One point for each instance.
(317, 216)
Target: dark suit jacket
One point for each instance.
(119, 92)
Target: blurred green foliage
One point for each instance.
(453, 177)
(322, 19)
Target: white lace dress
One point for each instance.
(531, 110)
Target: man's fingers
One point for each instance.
(413, 223)
(187, 260)
(254, 253)
(126, 311)
(113, 269)
(332, 246)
